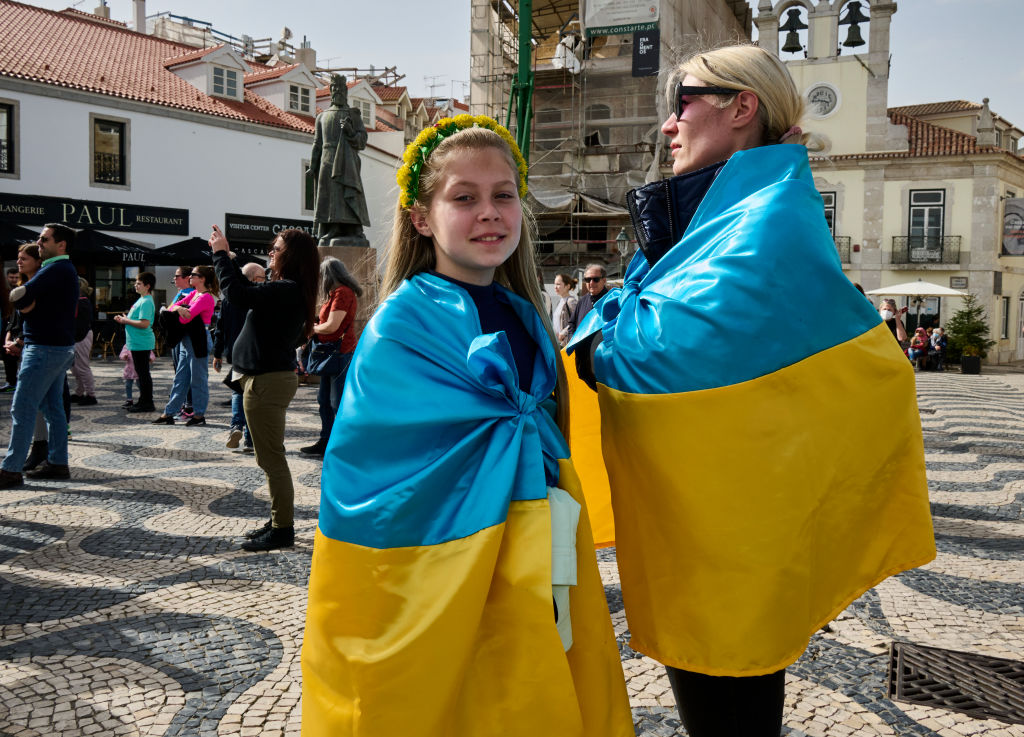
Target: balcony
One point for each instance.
(843, 246)
(926, 249)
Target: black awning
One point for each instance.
(94, 247)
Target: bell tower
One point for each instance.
(838, 54)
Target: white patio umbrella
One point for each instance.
(917, 291)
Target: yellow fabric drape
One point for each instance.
(459, 638)
(585, 447)
(731, 560)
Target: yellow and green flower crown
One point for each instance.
(430, 138)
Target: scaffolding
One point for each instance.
(583, 105)
(593, 130)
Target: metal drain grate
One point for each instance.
(977, 685)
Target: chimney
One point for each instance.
(102, 10)
(140, 16)
(986, 126)
(306, 55)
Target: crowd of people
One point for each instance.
(926, 349)
(454, 586)
(281, 300)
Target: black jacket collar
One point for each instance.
(661, 211)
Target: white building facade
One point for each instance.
(150, 149)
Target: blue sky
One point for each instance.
(959, 50)
(941, 49)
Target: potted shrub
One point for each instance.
(968, 335)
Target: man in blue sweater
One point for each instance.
(47, 303)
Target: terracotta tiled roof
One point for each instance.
(936, 108)
(461, 105)
(388, 119)
(190, 55)
(270, 73)
(389, 94)
(74, 13)
(926, 139)
(64, 51)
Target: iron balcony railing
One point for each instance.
(107, 168)
(843, 246)
(925, 249)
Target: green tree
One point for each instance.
(968, 330)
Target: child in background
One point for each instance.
(129, 374)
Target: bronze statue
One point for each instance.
(340, 206)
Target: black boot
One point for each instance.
(272, 539)
(253, 534)
(37, 455)
(316, 449)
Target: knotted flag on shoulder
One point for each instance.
(431, 599)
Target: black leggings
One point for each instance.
(141, 361)
(722, 706)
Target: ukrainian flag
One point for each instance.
(430, 597)
(585, 444)
(760, 430)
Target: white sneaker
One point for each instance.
(234, 435)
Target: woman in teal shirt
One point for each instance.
(138, 329)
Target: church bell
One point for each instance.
(791, 26)
(853, 18)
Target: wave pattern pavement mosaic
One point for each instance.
(127, 608)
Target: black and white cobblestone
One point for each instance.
(127, 608)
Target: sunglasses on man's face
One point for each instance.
(682, 90)
(589, 279)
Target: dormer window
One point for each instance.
(365, 108)
(299, 99)
(225, 82)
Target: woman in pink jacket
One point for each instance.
(195, 311)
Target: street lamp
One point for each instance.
(625, 246)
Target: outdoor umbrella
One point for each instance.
(194, 251)
(191, 251)
(917, 291)
(92, 246)
(12, 236)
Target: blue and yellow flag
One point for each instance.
(430, 597)
(760, 430)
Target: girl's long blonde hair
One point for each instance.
(409, 252)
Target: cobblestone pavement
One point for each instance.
(126, 607)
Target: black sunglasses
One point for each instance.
(589, 279)
(682, 89)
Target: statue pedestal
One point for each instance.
(361, 262)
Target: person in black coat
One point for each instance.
(279, 317)
(595, 281)
(229, 325)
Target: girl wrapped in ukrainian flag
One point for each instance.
(741, 379)
(454, 587)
